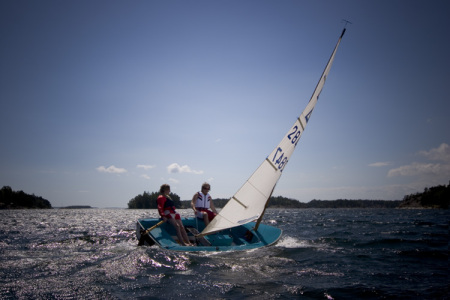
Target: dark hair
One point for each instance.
(163, 188)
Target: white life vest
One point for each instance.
(203, 201)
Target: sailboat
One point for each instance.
(238, 225)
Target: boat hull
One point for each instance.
(234, 239)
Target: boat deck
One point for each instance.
(238, 238)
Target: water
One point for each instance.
(323, 254)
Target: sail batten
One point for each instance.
(257, 190)
(234, 198)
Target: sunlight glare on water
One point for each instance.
(334, 254)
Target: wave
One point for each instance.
(292, 242)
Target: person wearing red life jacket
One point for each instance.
(166, 209)
(203, 205)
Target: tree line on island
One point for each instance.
(12, 199)
(434, 197)
(148, 201)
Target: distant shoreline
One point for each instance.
(437, 197)
(282, 202)
(75, 207)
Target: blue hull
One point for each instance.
(234, 239)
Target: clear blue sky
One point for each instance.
(103, 100)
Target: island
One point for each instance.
(76, 207)
(10, 199)
(434, 197)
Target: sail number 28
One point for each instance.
(294, 136)
(279, 159)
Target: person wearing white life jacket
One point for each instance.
(203, 205)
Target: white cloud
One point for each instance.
(176, 168)
(145, 167)
(111, 169)
(145, 176)
(417, 169)
(379, 164)
(442, 153)
(441, 169)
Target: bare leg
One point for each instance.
(183, 233)
(178, 229)
(205, 218)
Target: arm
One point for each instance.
(194, 198)
(213, 208)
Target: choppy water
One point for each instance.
(323, 254)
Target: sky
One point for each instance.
(103, 100)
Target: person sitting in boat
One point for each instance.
(166, 209)
(202, 204)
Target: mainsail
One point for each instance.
(248, 204)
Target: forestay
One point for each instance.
(248, 204)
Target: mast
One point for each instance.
(251, 200)
(264, 211)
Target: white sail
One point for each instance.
(249, 202)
